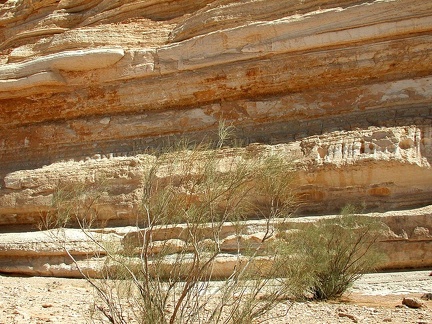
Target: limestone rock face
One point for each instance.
(79, 78)
(384, 168)
(90, 88)
(44, 253)
(379, 168)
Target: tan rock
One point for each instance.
(251, 242)
(341, 88)
(48, 253)
(412, 302)
(233, 65)
(170, 246)
(384, 167)
(45, 253)
(426, 296)
(421, 233)
(54, 242)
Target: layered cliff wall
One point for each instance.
(95, 77)
(89, 87)
(378, 168)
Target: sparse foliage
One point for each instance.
(72, 203)
(191, 194)
(333, 252)
(202, 190)
(164, 272)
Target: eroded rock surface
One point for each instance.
(89, 88)
(96, 77)
(49, 252)
(379, 168)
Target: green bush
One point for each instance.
(194, 191)
(327, 256)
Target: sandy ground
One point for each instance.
(376, 298)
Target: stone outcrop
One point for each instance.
(46, 253)
(153, 69)
(413, 302)
(91, 89)
(379, 168)
(383, 168)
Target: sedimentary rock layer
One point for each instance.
(65, 85)
(47, 253)
(379, 168)
(90, 88)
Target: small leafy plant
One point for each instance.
(193, 200)
(165, 271)
(333, 252)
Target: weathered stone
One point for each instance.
(170, 246)
(44, 253)
(47, 253)
(426, 296)
(89, 67)
(412, 302)
(353, 318)
(332, 170)
(341, 88)
(251, 242)
(421, 233)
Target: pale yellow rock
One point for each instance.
(251, 242)
(341, 88)
(385, 166)
(80, 60)
(34, 80)
(44, 253)
(170, 246)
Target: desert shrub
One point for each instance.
(333, 252)
(166, 272)
(72, 204)
(202, 190)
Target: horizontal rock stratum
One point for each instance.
(95, 77)
(91, 89)
(381, 168)
(44, 253)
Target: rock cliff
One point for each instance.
(90, 88)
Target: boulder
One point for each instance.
(412, 302)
